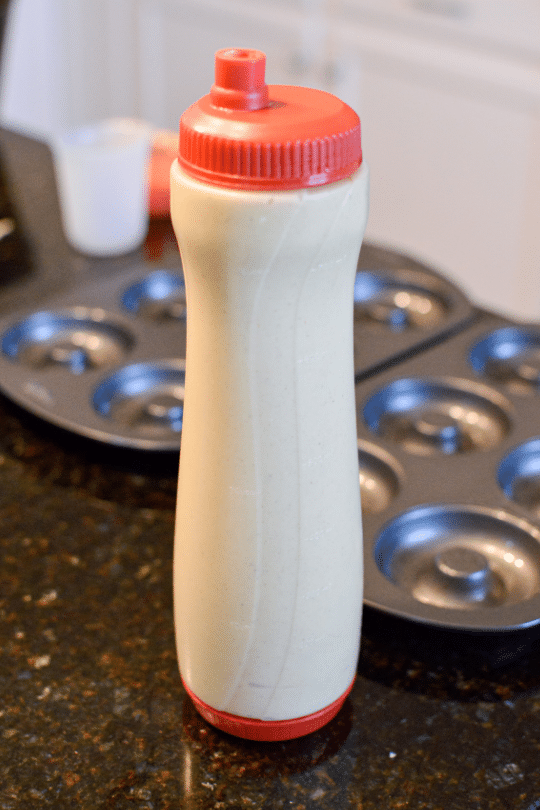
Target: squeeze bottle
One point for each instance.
(269, 201)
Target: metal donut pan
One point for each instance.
(451, 504)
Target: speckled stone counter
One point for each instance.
(93, 713)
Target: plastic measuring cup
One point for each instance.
(102, 180)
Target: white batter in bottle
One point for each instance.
(269, 201)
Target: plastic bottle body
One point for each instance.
(268, 545)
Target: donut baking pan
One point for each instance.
(448, 424)
(449, 455)
(106, 360)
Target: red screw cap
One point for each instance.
(246, 134)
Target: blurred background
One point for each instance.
(448, 92)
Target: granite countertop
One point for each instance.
(93, 713)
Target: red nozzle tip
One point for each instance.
(240, 83)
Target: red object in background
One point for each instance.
(164, 151)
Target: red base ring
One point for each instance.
(268, 730)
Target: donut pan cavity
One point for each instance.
(451, 438)
(401, 310)
(107, 359)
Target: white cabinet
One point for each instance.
(67, 62)
(177, 42)
(452, 140)
(448, 92)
